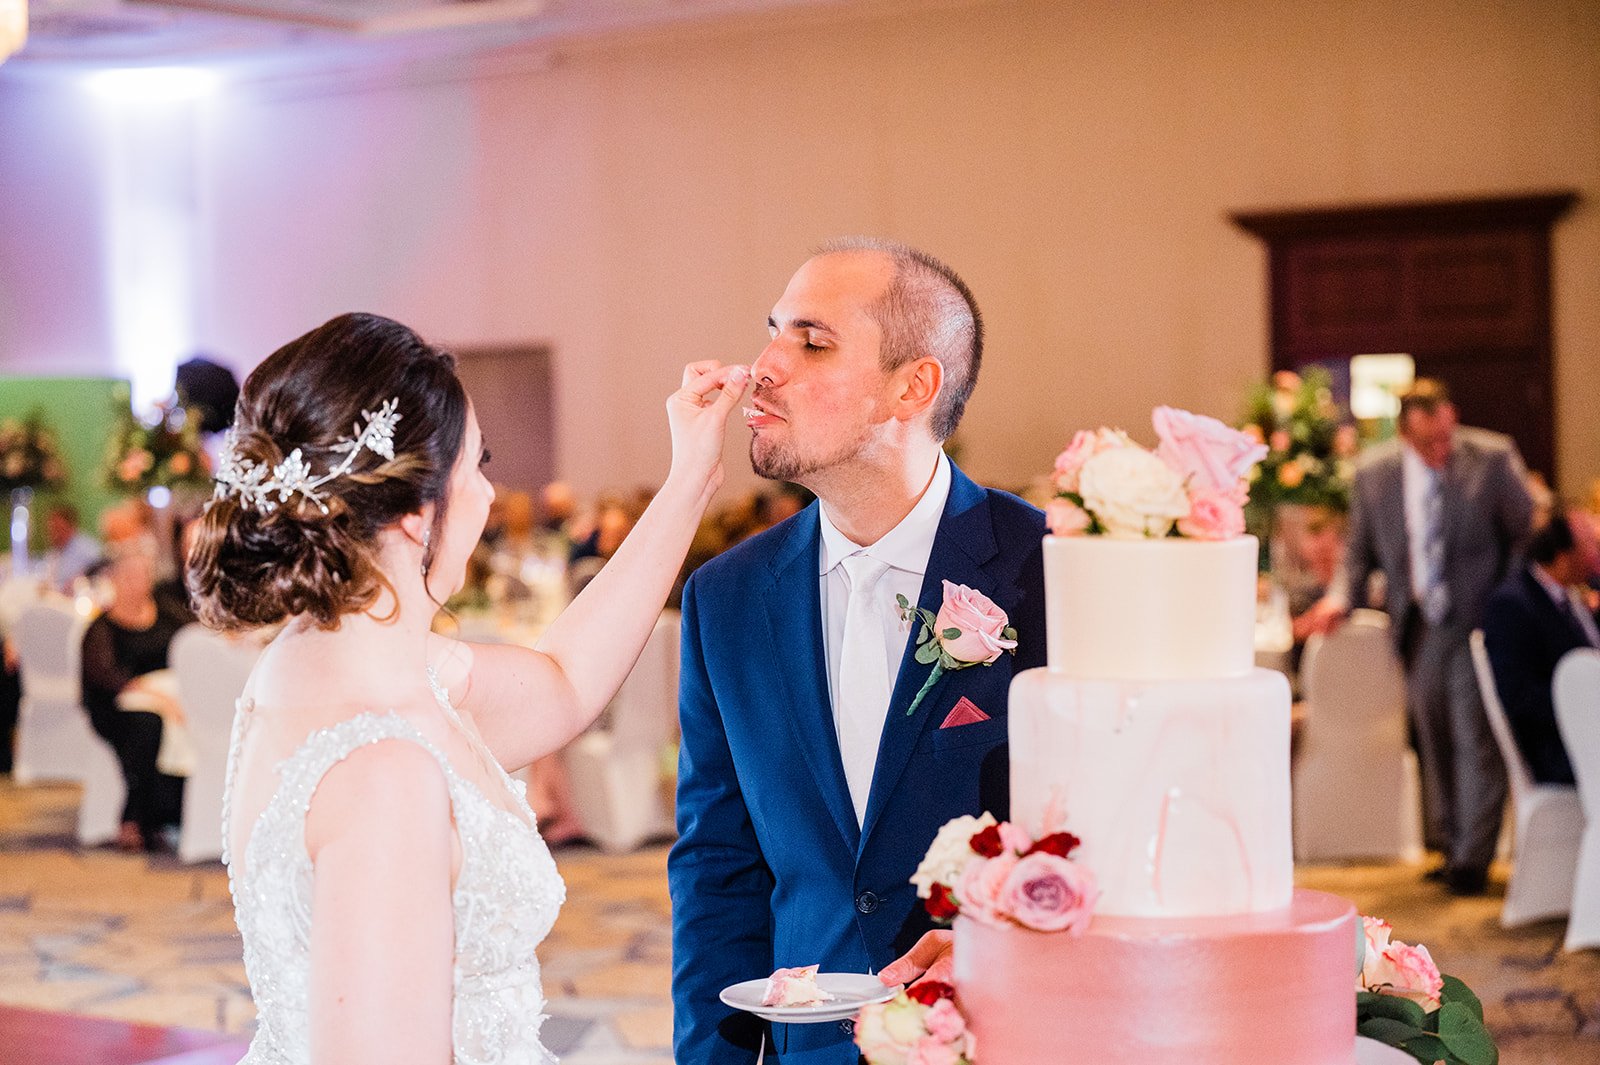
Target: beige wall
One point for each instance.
(642, 202)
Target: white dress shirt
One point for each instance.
(1416, 480)
(905, 549)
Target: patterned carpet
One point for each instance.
(146, 939)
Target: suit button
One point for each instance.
(847, 1027)
(866, 902)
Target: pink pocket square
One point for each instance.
(966, 712)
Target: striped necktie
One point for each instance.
(1435, 593)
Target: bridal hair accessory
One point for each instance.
(251, 483)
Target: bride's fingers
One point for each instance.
(695, 370)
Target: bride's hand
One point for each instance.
(698, 416)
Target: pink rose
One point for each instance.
(931, 1050)
(1049, 894)
(1280, 440)
(1014, 838)
(1394, 968)
(1346, 441)
(1209, 455)
(1066, 518)
(981, 884)
(979, 622)
(1086, 444)
(1212, 516)
(945, 1022)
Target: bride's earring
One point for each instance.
(427, 537)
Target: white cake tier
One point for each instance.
(1150, 609)
(1178, 789)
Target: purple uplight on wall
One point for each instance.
(154, 123)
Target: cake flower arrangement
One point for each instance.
(919, 1026)
(1192, 485)
(994, 872)
(1403, 1000)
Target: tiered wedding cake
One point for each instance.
(1168, 754)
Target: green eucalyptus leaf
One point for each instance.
(1427, 1049)
(1388, 1030)
(1464, 1035)
(905, 604)
(928, 652)
(950, 634)
(1008, 633)
(1393, 1007)
(1456, 991)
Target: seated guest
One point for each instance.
(72, 551)
(1530, 621)
(120, 647)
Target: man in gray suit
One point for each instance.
(1443, 512)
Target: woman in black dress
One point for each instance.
(122, 645)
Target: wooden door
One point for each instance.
(1462, 286)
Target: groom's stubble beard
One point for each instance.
(780, 461)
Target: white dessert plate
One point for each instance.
(850, 992)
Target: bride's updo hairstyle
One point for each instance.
(248, 568)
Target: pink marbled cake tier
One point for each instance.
(1272, 988)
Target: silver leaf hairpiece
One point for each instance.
(250, 482)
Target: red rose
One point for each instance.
(928, 992)
(987, 842)
(1061, 844)
(941, 904)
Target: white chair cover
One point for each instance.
(1353, 742)
(212, 671)
(54, 739)
(615, 773)
(1549, 821)
(1577, 698)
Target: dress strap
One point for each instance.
(303, 771)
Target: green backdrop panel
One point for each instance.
(82, 412)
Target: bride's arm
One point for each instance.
(528, 704)
(382, 926)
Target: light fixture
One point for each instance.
(13, 26)
(1376, 382)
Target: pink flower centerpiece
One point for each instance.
(1192, 485)
(996, 873)
(919, 1026)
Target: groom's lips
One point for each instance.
(757, 416)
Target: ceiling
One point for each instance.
(96, 33)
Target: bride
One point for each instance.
(389, 883)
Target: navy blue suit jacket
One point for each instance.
(770, 868)
(1526, 634)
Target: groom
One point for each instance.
(807, 794)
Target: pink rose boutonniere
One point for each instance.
(969, 630)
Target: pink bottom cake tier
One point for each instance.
(1275, 988)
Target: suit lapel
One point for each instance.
(794, 618)
(964, 543)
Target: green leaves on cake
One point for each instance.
(1403, 1000)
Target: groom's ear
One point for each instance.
(919, 382)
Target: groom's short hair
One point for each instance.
(927, 310)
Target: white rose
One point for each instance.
(950, 853)
(1133, 493)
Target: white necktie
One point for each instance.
(864, 687)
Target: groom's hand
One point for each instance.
(933, 958)
(698, 416)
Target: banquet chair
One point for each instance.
(1576, 689)
(212, 670)
(615, 771)
(1354, 743)
(54, 739)
(1548, 819)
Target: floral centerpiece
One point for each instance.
(1192, 485)
(1403, 1000)
(1311, 447)
(160, 451)
(29, 455)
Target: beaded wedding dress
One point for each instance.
(506, 899)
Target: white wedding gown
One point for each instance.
(506, 899)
